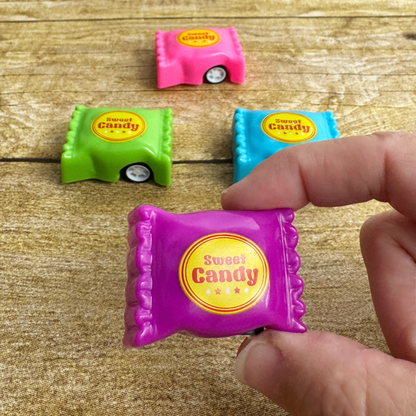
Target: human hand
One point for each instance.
(321, 373)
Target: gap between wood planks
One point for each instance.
(175, 162)
(398, 16)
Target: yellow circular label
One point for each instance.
(118, 126)
(224, 273)
(289, 127)
(198, 38)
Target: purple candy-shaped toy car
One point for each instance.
(211, 274)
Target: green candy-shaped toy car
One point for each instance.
(104, 143)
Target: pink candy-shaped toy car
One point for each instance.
(192, 56)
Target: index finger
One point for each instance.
(337, 172)
(344, 171)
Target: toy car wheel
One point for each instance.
(137, 173)
(216, 75)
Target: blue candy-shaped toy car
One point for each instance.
(259, 134)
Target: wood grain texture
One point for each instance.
(126, 9)
(63, 247)
(359, 68)
(62, 267)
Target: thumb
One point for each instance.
(320, 373)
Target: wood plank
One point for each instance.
(364, 73)
(292, 35)
(127, 9)
(62, 267)
(37, 128)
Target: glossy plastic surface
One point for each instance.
(233, 296)
(257, 135)
(103, 141)
(179, 63)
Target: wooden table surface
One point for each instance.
(63, 246)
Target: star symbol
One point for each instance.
(217, 291)
(227, 290)
(237, 290)
(246, 290)
(208, 292)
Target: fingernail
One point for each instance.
(225, 191)
(243, 345)
(258, 365)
